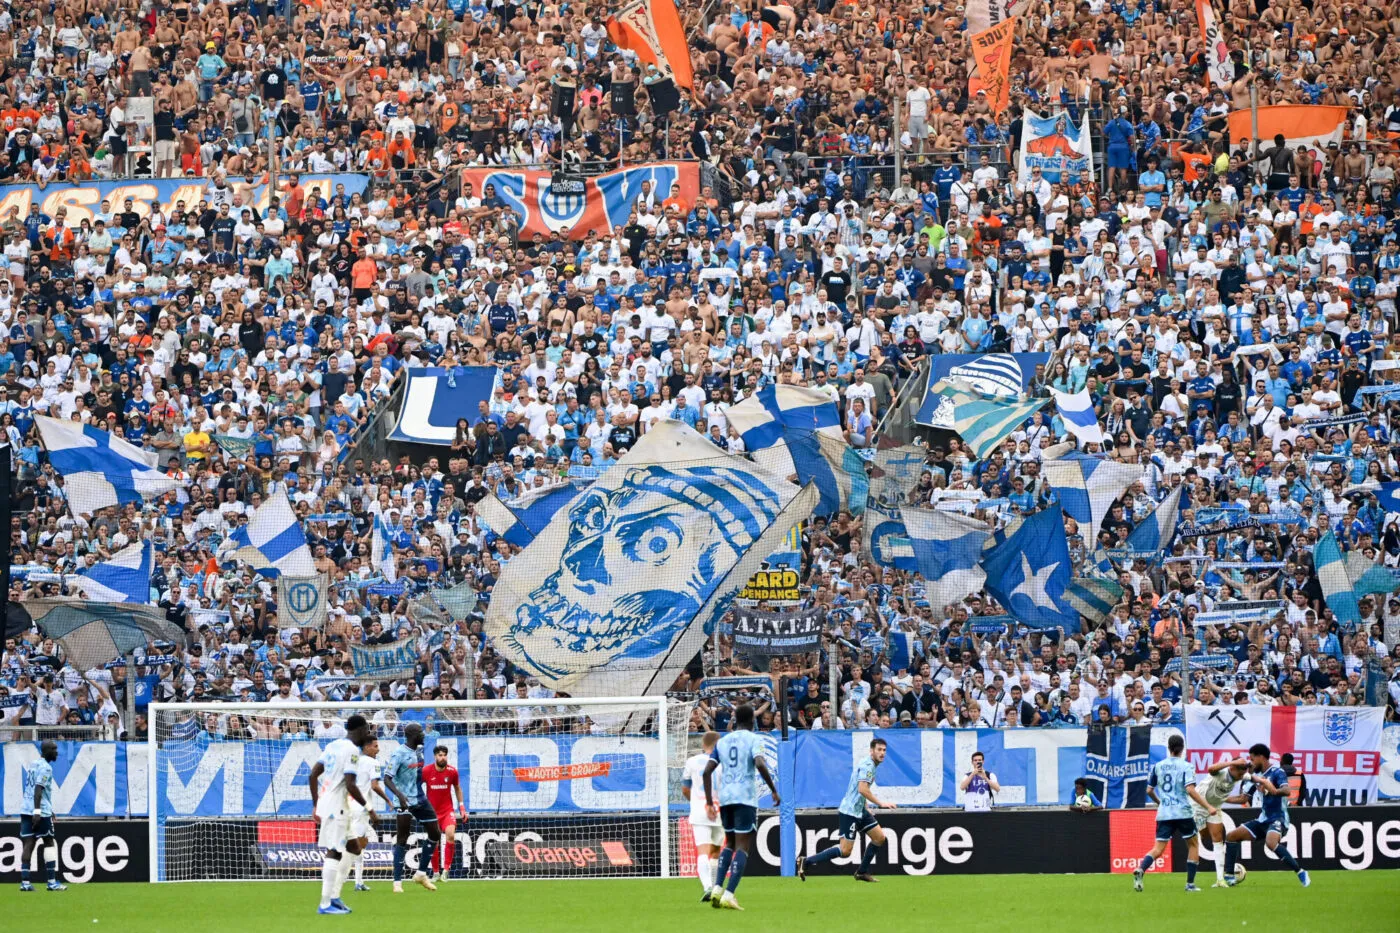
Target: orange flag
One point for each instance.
(652, 29)
(989, 68)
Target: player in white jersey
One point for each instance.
(362, 819)
(334, 782)
(1211, 826)
(709, 834)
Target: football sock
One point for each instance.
(702, 871)
(825, 855)
(1287, 857)
(330, 870)
(736, 869)
(400, 853)
(1191, 872)
(868, 856)
(726, 855)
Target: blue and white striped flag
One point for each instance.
(795, 430)
(983, 421)
(947, 549)
(1077, 412)
(1337, 590)
(1087, 487)
(904, 648)
(381, 554)
(126, 578)
(1156, 531)
(100, 469)
(1093, 597)
(1369, 578)
(273, 542)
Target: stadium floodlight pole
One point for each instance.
(6, 519)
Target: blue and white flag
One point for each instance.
(1029, 572)
(1157, 530)
(100, 469)
(1094, 597)
(273, 542)
(892, 482)
(1087, 487)
(436, 398)
(1117, 762)
(381, 553)
(1077, 412)
(1388, 496)
(1337, 590)
(1007, 375)
(385, 662)
(795, 430)
(904, 649)
(983, 421)
(527, 515)
(615, 595)
(1369, 578)
(947, 550)
(126, 578)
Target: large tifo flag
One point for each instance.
(273, 542)
(1087, 487)
(1219, 68)
(1061, 150)
(894, 475)
(94, 633)
(100, 469)
(126, 578)
(1029, 572)
(1300, 124)
(791, 430)
(1338, 748)
(653, 29)
(614, 596)
(435, 398)
(983, 421)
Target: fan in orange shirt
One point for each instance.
(401, 149)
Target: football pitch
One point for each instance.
(1337, 901)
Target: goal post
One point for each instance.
(554, 788)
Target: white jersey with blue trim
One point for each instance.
(340, 758)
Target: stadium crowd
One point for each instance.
(288, 327)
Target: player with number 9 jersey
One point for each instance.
(738, 754)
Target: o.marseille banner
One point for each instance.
(1301, 125)
(1062, 151)
(84, 199)
(435, 398)
(1036, 767)
(1338, 748)
(576, 206)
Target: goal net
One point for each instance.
(554, 788)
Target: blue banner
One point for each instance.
(1007, 375)
(1117, 762)
(84, 200)
(435, 398)
(200, 777)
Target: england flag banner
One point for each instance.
(1337, 748)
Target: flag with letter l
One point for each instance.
(1029, 572)
(98, 468)
(1077, 412)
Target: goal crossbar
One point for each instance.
(629, 713)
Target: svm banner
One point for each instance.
(576, 206)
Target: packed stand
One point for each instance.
(288, 328)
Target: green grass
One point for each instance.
(1337, 902)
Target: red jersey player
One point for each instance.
(441, 779)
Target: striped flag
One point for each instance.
(1077, 412)
(527, 514)
(1369, 578)
(381, 556)
(1299, 124)
(947, 549)
(1156, 531)
(1337, 590)
(1094, 597)
(984, 421)
(1087, 487)
(795, 430)
(273, 541)
(98, 468)
(126, 578)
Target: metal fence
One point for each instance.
(17, 733)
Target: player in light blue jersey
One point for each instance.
(401, 775)
(741, 754)
(1172, 785)
(1271, 782)
(37, 823)
(856, 817)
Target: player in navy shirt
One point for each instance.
(1271, 783)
